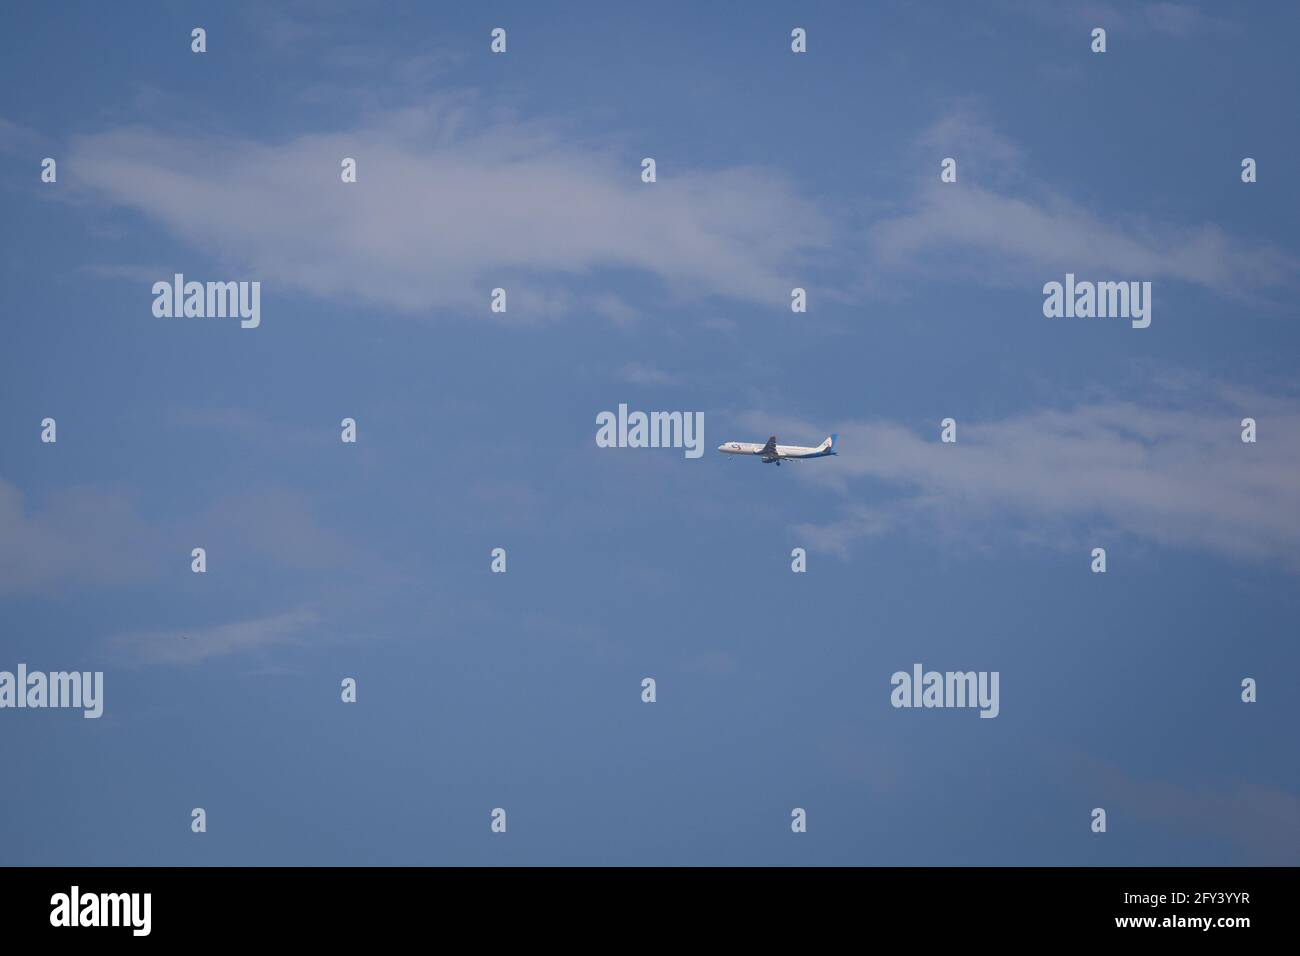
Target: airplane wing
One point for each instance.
(770, 448)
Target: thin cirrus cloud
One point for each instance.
(88, 536)
(1175, 474)
(998, 225)
(91, 537)
(221, 640)
(447, 207)
(1006, 236)
(639, 373)
(1178, 20)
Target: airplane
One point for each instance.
(772, 452)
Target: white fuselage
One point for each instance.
(778, 452)
(754, 448)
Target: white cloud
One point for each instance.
(87, 536)
(1179, 20)
(249, 426)
(93, 537)
(998, 226)
(1010, 238)
(637, 373)
(856, 521)
(1178, 476)
(448, 206)
(280, 524)
(197, 644)
(451, 203)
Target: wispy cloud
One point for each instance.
(202, 643)
(449, 205)
(1162, 17)
(453, 200)
(250, 427)
(89, 537)
(998, 226)
(1171, 470)
(277, 523)
(637, 373)
(84, 536)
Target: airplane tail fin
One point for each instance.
(829, 443)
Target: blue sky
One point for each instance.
(480, 690)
